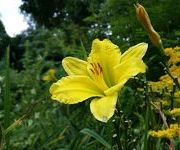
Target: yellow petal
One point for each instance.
(107, 55)
(125, 71)
(74, 89)
(103, 108)
(137, 51)
(75, 66)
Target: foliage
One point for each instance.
(67, 28)
(58, 13)
(113, 18)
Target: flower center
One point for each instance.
(96, 72)
(96, 68)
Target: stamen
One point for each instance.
(97, 75)
(92, 64)
(92, 71)
(96, 68)
(101, 70)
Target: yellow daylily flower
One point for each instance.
(100, 77)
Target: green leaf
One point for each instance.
(96, 136)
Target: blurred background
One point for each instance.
(39, 34)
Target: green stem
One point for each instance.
(116, 123)
(146, 128)
(161, 48)
(116, 135)
(2, 141)
(172, 96)
(7, 99)
(147, 117)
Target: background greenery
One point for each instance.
(60, 28)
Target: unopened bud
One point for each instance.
(144, 19)
(155, 38)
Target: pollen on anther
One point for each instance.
(100, 68)
(92, 70)
(96, 68)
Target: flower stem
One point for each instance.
(116, 135)
(7, 94)
(147, 116)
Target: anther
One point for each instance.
(92, 70)
(100, 68)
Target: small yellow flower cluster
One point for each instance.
(164, 86)
(174, 54)
(175, 71)
(175, 112)
(159, 86)
(165, 81)
(50, 75)
(165, 102)
(177, 94)
(172, 131)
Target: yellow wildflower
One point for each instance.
(175, 58)
(175, 112)
(177, 94)
(101, 77)
(176, 128)
(175, 71)
(174, 54)
(50, 75)
(165, 81)
(172, 131)
(177, 48)
(159, 101)
(157, 86)
(165, 102)
(168, 51)
(162, 133)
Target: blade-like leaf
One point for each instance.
(96, 136)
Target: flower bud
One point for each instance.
(144, 19)
(155, 38)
